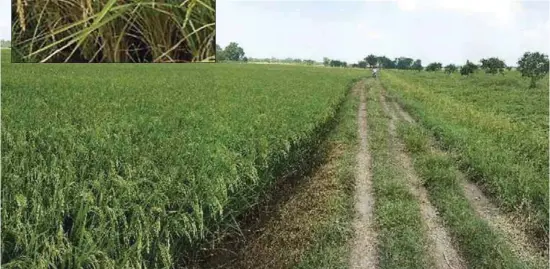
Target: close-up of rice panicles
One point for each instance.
(136, 31)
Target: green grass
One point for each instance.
(480, 245)
(331, 247)
(401, 234)
(5, 54)
(105, 166)
(506, 95)
(482, 119)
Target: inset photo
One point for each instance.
(113, 31)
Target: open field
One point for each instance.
(103, 168)
(270, 166)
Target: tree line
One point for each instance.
(286, 61)
(234, 52)
(334, 63)
(533, 65)
(5, 43)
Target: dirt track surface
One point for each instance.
(511, 228)
(364, 246)
(443, 253)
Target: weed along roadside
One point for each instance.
(486, 236)
(488, 155)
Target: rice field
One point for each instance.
(103, 167)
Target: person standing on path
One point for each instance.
(375, 72)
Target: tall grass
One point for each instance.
(102, 169)
(506, 155)
(401, 233)
(113, 31)
(482, 246)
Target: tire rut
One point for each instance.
(363, 253)
(511, 228)
(443, 253)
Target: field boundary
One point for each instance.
(229, 240)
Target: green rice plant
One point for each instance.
(102, 168)
(113, 31)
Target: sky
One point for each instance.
(5, 19)
(446, 31)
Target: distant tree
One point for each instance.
(326, 61)
(417, 65)
(468, 68)
(5, 43)
(433, 67)
(385, 62)
(534, 66)
(337, 63)
(395, 62)
(309, 62)
(450, 68)
(220, 54)
(509, 68)
(355, 65)
(493, 65)
(380, 61)
(403, 63)
(372, 60)
(245, 59)
(362, 64)
(233, 52)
